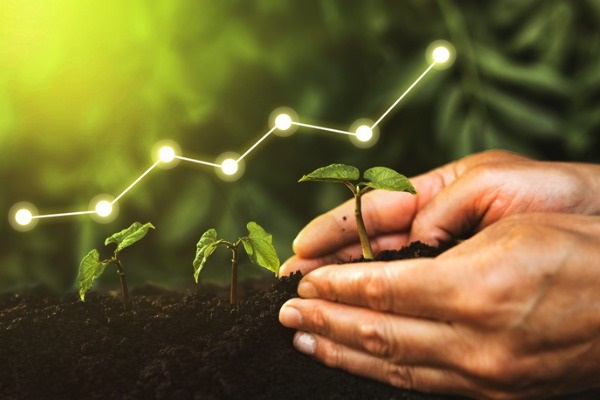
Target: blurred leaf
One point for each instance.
(522, 114)
(534, 77)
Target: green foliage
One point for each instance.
(204, 248)
(259, 247)
(333, 173)
(129, 236)
(258, 244)
(375, 178)
(91, 267)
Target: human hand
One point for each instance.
(454, 201)
(513, 312)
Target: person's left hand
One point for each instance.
(512, 312)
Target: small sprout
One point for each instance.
(375, 178)
(258, 245)
(91, 267)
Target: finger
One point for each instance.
(397, 339)
(422, 287)
(343, 255)
(424, 379)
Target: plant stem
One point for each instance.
(124, 289)
(360, 225)
(234, 276)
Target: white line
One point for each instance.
(66, 214)
(403, 95)
(197, 161)
(135, 182)
(323, 128)
(256, 144)
(247, 151)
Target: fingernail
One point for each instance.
(305, 343)
(281, 270)
(307, 289)
(290, 316)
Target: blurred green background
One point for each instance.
(87, 88)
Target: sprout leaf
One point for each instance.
(129, 236)
(333, 173)
(259, 247)
(387, 179)
(90, 268)
(204, 248)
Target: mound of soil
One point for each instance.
(170, 345)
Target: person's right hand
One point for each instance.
(453, 202)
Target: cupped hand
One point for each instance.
(453, 202)
(513, 312)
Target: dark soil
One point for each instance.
(171, 345)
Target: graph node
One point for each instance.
(283, 119)
(230, 167)
(441, 53)
(166, 152)
(22, 216)
(103, 208)
(365, 133)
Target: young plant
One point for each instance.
(374, 178)
(91, 267)
(258, 245)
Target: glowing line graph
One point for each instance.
(23, 216)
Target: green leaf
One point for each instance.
(259, 246)
(129, 236)
(204, 248)
(89, 270)
(333, 173)
(388, 179)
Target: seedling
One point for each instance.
(375, 178)
(258, 245)
(92, 267)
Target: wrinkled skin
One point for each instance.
(512, 311)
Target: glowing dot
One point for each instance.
(104, 208)
(23, 217)
(364, 133)
(282, 118)
(441, 54)
(283, 122)
(229, 166)
(166, 154)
